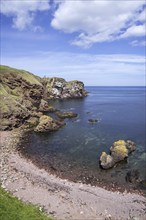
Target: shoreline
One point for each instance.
(59, 197)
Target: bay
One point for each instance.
(73, 152)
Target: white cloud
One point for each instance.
(135, 30)
(136, 43)
(23, 12)
(98, 21)
(114, 69)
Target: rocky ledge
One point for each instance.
(48, 124)
(25, 96)
(119, 151)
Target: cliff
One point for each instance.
(23, 95)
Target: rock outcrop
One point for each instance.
(45, 107)
(48, 124)
(23, 95)
(59, 88)
(119, 151)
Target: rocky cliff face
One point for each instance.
(23, 95)
(59, 88)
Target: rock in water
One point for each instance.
(119, 151)
(131, 146)
(92, 120)
(64, 115)
(106, 161)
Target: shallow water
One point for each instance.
(73, 152)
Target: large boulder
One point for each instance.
(106, 161)
(48, 124)
(119, 151)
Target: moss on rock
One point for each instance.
(119, 151)
(47, 124)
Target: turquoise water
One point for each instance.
(73, 152)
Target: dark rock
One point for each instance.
(45, 107)
(64, 115)
(131, 146)
(93, 120)
(132, 176)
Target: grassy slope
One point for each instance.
(29, 77)
(13, 209)
(11, 98)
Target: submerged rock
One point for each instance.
(132, 176)
(92, 120)
(119, 151)
(48, 124)
(64, 115)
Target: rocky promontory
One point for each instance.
(25, 96)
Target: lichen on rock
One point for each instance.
(47, 124)
(106, 161)
(119, 151)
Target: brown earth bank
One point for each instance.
(59, 197)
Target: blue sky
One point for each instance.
(96, 41)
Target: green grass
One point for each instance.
(13, 209)
(29, 77)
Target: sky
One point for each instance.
(99, 42)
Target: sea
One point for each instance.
(73, 152)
